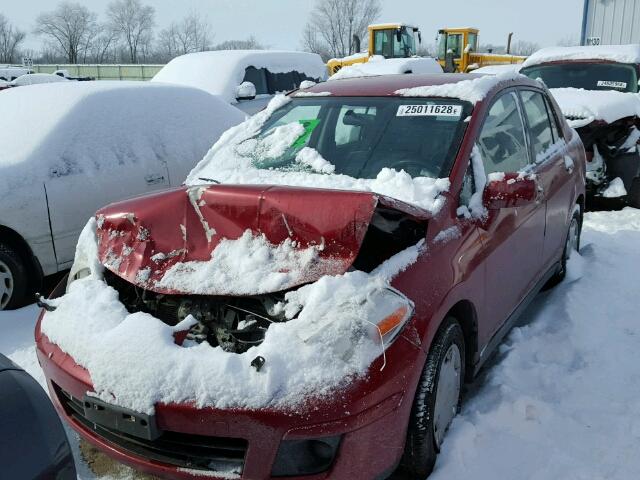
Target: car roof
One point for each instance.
(388, 85)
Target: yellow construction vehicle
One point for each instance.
(390, 40)
(458, 51)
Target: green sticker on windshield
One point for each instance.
(309, 127)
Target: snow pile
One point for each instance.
(582, 107)
(355, 56)
(231, 160)
(473, 90)
(615, 189)
(312, 158)
(563, 400)
(133, 358)
(378, 65)
(94, 127)
(221, 72)
(613, 53)
(249, 265)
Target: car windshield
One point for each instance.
(361, 136)
(589, 76)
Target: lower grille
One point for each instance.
(197, 452)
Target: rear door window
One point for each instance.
(502, 140)
(540, 130)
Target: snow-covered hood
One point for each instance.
(582, 107)
(237, 240)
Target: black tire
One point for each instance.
(11, 262)
(562, 271)
(633, 198)
(421, 448)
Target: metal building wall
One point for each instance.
(611, 22)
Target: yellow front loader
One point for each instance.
(458, 47)
(390, 40)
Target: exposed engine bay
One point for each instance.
(233, 323)
(236, 323)
(612, 151)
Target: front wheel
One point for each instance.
(437, 400)
(13, 278)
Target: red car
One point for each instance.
(467, 254)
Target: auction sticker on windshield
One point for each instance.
(429, 111)
(611, 84)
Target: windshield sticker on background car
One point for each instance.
(429, 111)
(612, 84)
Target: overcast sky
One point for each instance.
(278, 23)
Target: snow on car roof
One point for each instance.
(378, 65)
(220, 72)
(417, 85)
(473, 89)
(61, 128)
(613, 53)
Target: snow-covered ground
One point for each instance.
(560, 401)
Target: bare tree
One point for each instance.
(333, 23)
(250, 43)
(191, 34)
(10, 40)
(491, 48)
(69, 29)
(103, 48)
(522, 47)
(134, 22)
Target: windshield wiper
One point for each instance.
(209, 180)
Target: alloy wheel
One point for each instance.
(6, 285)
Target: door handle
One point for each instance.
(154, 179)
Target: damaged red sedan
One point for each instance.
(311, 302)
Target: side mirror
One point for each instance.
(509, 190)
(399, 35)
(246, 91)
(419, 38)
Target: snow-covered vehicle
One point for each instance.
(247, 79)
(36, 79)
(70, 148)
(333, 269)
(9, 73)
(597, 90)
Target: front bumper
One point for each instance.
(370, 421)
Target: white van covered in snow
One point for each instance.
(72, 148)
(246, 78)
(9, 73)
